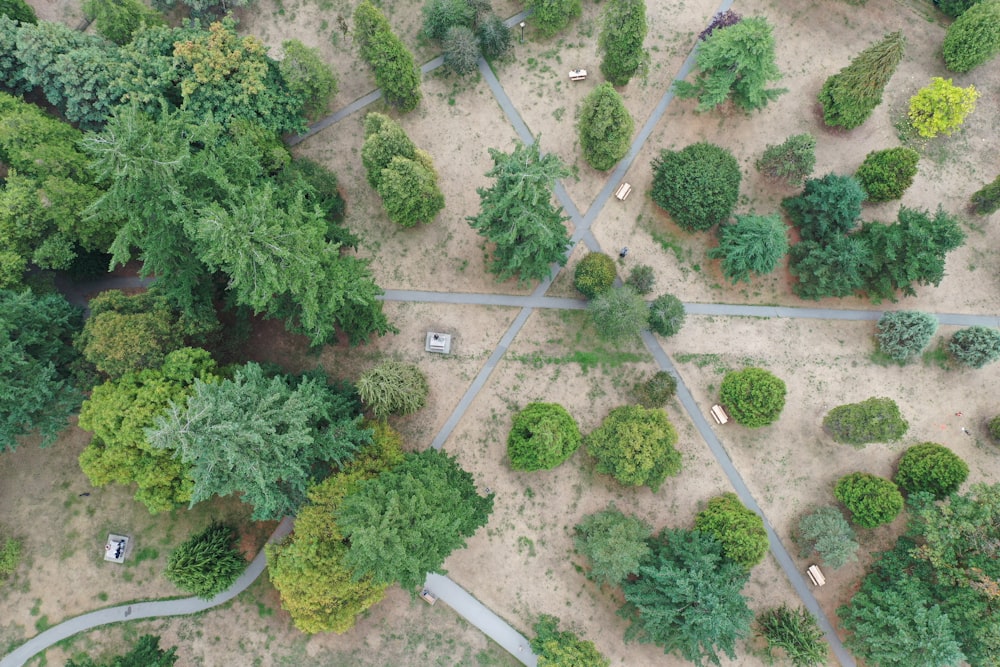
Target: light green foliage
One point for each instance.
(976, 346)
(385, 139)
(410, 192)
(849, 96)
(872, 500)
(10, 555)
(619, 313)
(18, 10)
(941, 107)
(551, 16)
(396, 72)
(903, 334)
(615, 544)
(738, 529)
(594, 274)
(207, 563)
(828, 532)
(543, 436)
(872, 420)
(687, 598)
(461, 50)
(974, 37)
(623, 30)
(930, 468)
(656, 390)
(565, 648)
(794, 631)
(791, 160)
(753, 396)
(635, 445)
(641, 278)
(698, 185)
(518, 217)
(755, 244)
(145, 653)
(828, 207)
(987, 200)
(885, 175)
(392, 539)
(307, 77)
(118, 20)
(736, 63)
(605, 127)
(666, 315)
(393, 388)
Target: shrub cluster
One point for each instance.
(987, 200)
(551, 16)
(740, 530)
(885, 175)
(976, 346)
(466, 30)
(791, 160)
(641, 278)
(828, 532)
(635, 445)
(594, 274)
(543, 436)
(872, 500)
(393, 388)
(753, 396)
(697, 185)
(395, 71)
(872, 420)
(931, 468)
(902, 334)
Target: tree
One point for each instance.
(902, 334)
(410, 192)
(976, 346)
(755, 244)
(828, 533)
(738, 529)
(794, 631)
(736, 63)
(563, 649)
(37, 394)
(872, 500)
(791, 161)
(635, 445)
(494, 36)
(618, 313)
(954, 8)
(517, 215)
(118, 20)
(207, 563)
(656, 390)
(461, 50)
(830, 268)
(605, 127)
(307, 77)
(872, 420)
(941, 107)
(396, 72)
(265, 438)
(594, 274)
(393, 388)
(974, 37)
(145, 653)
(551, 16)
(698, 185)
(442, 15)
(987, 200)
(395, 541)
(686, 598)
(828, 207)
(930, 468)
(384, 141)
(849, 96)
(18, 10)
(753, 396)
(614, 543)
(641, 278)
(666, 315)
(885, 175)
(543, 436)
(623, 30)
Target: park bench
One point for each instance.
(428, 597)
(577, 74)
(623, 191)
(815, 575)
(719, 414)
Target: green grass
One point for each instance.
(586, 360)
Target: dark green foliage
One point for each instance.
(791, 160)
(635, 445)
(829, 269)
(207, 563)
(930, 468)
(994, 428)
(461, 50)
(18, 10)
(320, 188)
(550, 16)
(755, 244)
(976, 346)
(885, 175)
(796, 633)
(828, 207)
(410, 192)
(686, 598)
(594, 274)
(753, 396)
(393, 388)
(656, 390)
(307, 77)
(828, 533)
(850, 96)
(623, 30)
(391, 540)
(396, 72)
(987, 200)
(618, 313)
(145, 653)
(118, 20)
(974, 37)
(641, 278)
(698, 185)
(565, 648)
(872, 420)
(738, 529)
(615, 544)
(517, 214)
(903, 334)
(543, 436)
(494, 36)
(954, 8)
(736, 63)
(605, 127)
(666, 315)
(442, 15)
(872, 500)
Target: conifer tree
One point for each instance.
(622, 34)
(849, 96)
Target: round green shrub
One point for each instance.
(655, 391)
(595, 273)
(753, 396)
(543, 436)
(973, 38)
(976, 346)
(987, 200)
(828, 533)
(931, 468)
(739, 529)
(666, 315)
(902, 334)
(393, 388)
(994, 428)
(642, 279)
(872, 420)
(872, 500)
(635, 445)
(698, 185)
(885, 175)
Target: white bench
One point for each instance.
(623, 191)
(577, 74)
(815, 575)
(719, 414)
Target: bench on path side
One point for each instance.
(719, 414)
(815, 575)
(428, 597)
(623, 191)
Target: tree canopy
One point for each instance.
(145, 653)
(754, 397)
(849, 96)
(738, 529)
(755, 244)
(875, 419)
(697, 185)
(623, 31)
(542, 436)
(396, 72)
(635, 445)
(605, 127)
(557, 648)
(207, 563)
(615, 543)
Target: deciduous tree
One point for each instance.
(941, 107)
(594, 274)
(615, 544)
(635, 445)
(118, 20)
(619, 313)
(551, 16)
(307, 77)
(753, 396)
(738, 529)
(557, 648)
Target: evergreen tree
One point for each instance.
(605, 127)
(145, 653)
(903, 334)
(623, 30)
(850, 96)
(828, 207)
(396, 73)
(755, 244)
(974, 37)
(207, 563)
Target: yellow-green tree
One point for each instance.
(941, 107)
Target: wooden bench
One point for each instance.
(623, 191)
(428, 597)
(577, 74)
(719, 414)
(815, 575)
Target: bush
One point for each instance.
(666, 315)
(885, 175)
(791, 160)
(308, 77)
(754, 244)
(614, 542)
(828, 533)
(10, 556)
(641, 278)
(698, 185)
(409, 191)
(655, 391)
(902, 334)
(619, 313)
(994, 428)
(954, 8)
(207, 563)
(623, 31)
(18, 10)
(118, 20)
(395, 71)
(871, 420)
(987, 200)
(557, 648)
(849, 96)
(930, 468)
(796, 633)
(605, 127)
(543, 436)
(941, 107)
(739, 530)
(393, 387)
(494, 36)
(973, 38)
(753, 396)
(551, 16)
(442, 15)
(461, 50)
(872, 500)
(635, 445)
(976, 346)
(827, 208)
(594, 274)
